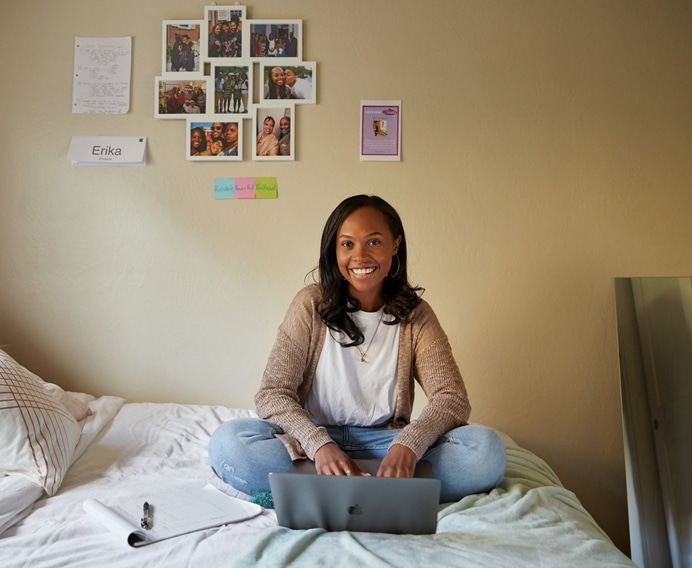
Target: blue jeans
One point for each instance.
(469, 459)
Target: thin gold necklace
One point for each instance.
(364, 353)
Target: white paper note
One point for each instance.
(172, 513)
(102, 75)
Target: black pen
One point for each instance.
(146, 516)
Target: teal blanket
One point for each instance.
(530, 521)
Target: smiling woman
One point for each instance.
(326, 398)
(267, 142)
(364, 252)
(275, 87)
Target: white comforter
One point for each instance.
(19, 493)
(530, 520)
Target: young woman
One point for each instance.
(276, 87)
(267, 142)
(215, 39)
(338, 385)
(198, 141)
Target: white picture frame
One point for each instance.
(229, 44)
(263, 147)
(178, 56)
(243, 74)
(168, 85)
(380, 130)
(207, 124)
(299, 84)
(261, 47)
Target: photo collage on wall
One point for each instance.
(222, 70)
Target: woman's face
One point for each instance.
(364, 250)
(278, 77)
(268, 126)
(216, 147)
(195, 139)
(230, 135)
(216, 130)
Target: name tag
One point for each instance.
(108, 151)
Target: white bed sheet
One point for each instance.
(19, 492)
(146, 446)
(530, 520)
(18, 495)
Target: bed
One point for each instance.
(112, 449)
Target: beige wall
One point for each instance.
(545, 151)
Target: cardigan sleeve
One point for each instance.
(288, 376)
(434, 367)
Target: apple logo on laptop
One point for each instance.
(355, 510)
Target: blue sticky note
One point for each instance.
(224, 188)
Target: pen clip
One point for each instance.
(146, 518)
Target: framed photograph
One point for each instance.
(296, 82)
(232, 88)
(274, 132)
(214, 138)
(178, 97)
(380, 130)
(224, 33)
(276, 39)
(181, 47)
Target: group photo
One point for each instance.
(214, 139)
(223, 37)
(232, 89)
(275, 39)
(177, 98)
(181, 46)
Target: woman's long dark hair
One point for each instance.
(400, 297)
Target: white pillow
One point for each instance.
(80, 410)
(38, 435)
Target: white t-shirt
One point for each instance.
(302, 89)
(349, 392)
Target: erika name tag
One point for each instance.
(108, 151)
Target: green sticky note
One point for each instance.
(266, 188)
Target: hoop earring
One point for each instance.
(398, 267)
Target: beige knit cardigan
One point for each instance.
(424, 355)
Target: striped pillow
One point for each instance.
(38, 435)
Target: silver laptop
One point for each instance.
(305, 500)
